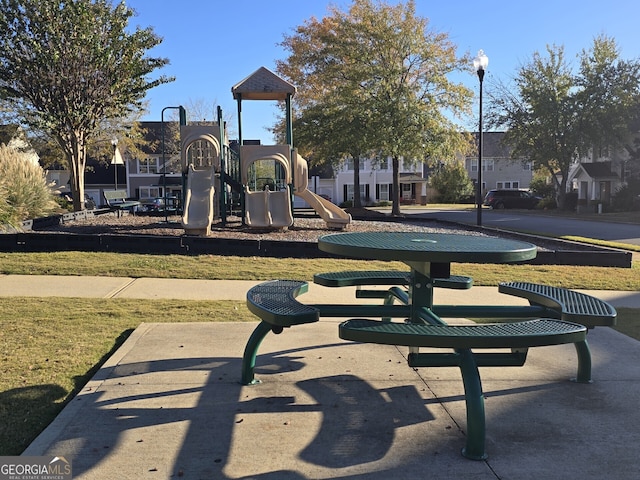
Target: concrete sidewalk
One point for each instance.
(168, 404)
(152, 288)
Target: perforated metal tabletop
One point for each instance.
(427, 247)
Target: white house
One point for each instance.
(376, 181)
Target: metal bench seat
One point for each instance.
(350, 278)
(275, 303)
(518, 336)
(573, 306)
(532, 333)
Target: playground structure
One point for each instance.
(200, 157)
(263, 177)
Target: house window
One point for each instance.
(150, 192)
(384, 164)
(383, 191)
(508, 185)
(148, 165)
(350, 191)
(527, 166)
(487, 165)
(350, 164)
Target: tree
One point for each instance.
(452, 182)
(373, 81)
(67, 67)
(554, 117)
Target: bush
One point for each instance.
(547, 203)
(24, 192)
(541, 188)
(626, 197)
(452, 183)
(571, 201)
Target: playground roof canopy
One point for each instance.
(263, 84)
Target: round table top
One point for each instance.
(427, 247)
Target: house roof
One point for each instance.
(409, 177)
(492, 145)
(322, 171)
(598, 170)
(101, 174)
(263, 84)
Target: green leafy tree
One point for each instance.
(67, 67)
(373, 81)
(452, 182)
(554, 116)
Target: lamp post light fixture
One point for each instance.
(480, 64)
(114, 142)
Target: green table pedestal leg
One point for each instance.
(250, 352)
(584, 362)
(474, 400)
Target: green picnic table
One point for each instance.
(429, 257)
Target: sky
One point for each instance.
(214, 44)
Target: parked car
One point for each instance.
(156, 205)
(499, 199)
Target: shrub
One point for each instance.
(24, 192)
(547, 203)
(626, 197)
(541, 188)
(452, 183)
(571, 201)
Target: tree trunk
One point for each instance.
(77, 160)
(395, 208)
(561, 194)
(357, 201)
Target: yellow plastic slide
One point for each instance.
(266, 209)
(334, 216)
(198, 202)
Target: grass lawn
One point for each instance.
(50, 347)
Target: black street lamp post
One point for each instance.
(480, 63)
(114, 142)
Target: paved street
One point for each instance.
(539, 223)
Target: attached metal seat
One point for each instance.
(532, 333)
(349, 278)
(518, 336)
(573, 306)
(275, 303)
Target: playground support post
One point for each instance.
(223, 170)
(292, 153)
(183, 121)
(239, 103)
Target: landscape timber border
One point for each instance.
(553, 252)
